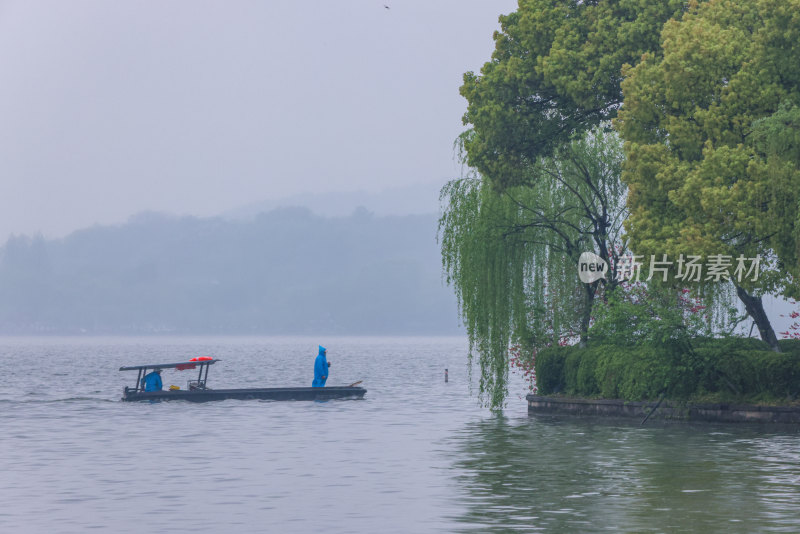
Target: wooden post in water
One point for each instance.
(445, 375)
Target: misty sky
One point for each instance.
(196, 107)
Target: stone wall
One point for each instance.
(667, 410)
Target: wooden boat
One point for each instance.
(198, 391)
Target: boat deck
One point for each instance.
(279, 394)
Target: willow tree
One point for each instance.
(700, 183)
(511, 254)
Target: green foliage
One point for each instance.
(778, 138)
(580, 372)
(755, 373)
(613, 371)
(790, 345)
(641, 318)
(499, 268)
(642, 374)
(511, 255)
(654, 313)
(555, 72)
(700, 181)
(551, 370)
(779, 133)
(729, 369)
(710, 120)
(730, 344)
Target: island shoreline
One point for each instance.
(666, 410)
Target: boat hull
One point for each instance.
(277, 394)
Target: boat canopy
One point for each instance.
(180, 365)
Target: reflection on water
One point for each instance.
(416, 455)
(580, 475)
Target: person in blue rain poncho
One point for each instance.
(152, 381)
(320, 368)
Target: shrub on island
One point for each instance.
(706, 369)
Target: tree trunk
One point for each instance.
(586, 317)
(755, 308)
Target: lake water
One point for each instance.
(416, 455)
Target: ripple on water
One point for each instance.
(415, 455)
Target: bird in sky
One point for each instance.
(387, 7)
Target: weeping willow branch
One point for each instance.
(511, 254)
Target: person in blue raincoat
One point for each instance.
(152, 381)
(320, 368)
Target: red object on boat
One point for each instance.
(185, 366)
(201, 359)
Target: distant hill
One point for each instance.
(287, 271)
(415, 199)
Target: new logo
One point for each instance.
(591, 267)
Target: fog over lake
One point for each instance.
(287, 271)
(198, 108)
